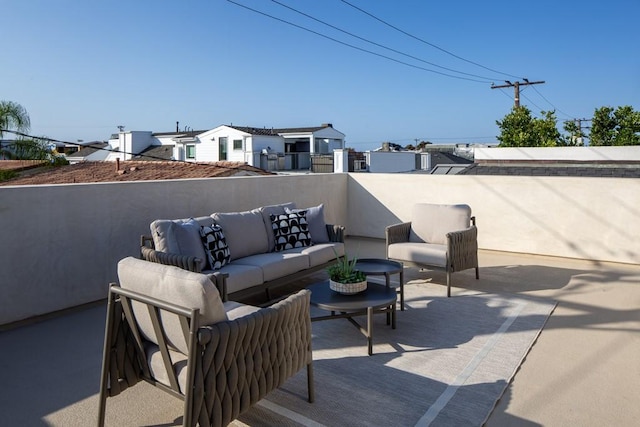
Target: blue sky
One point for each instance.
(81, 68)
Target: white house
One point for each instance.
(267, 148)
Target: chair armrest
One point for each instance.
(277, 338)
(336, 232)
(397, 233)
(462, 248)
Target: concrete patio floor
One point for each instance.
(583, 370)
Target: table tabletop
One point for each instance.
(378, 266)
(375, 296)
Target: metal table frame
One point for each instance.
(375, 299)
(383, 267)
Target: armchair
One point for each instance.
(169, 327)
(438, 236)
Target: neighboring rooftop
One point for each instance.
(630, 170)
(134, 171)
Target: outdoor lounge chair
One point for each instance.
(438, 236)
(169, 327)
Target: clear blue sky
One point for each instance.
(81, 68)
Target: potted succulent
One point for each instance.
(344, 278)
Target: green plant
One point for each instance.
(344, 270)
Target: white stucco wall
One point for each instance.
(64, 241)
(602, 154)
(61, 243)
(587, 218)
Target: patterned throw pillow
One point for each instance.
(215, 245)
(291, 230)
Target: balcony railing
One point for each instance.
(61, 243)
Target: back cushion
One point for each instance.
(245, 232)
(266, 212)
(174, 285)
(179, 236)
(430, 223)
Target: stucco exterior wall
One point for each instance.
(587, 218)
(61, 243)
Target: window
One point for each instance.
(190, 151)
(222, 146)
(237, 144)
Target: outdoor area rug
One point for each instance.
(447, 363)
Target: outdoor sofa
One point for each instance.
(249, 251)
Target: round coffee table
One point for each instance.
(383, 267)
(375, 299)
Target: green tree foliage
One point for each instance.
(615, 127)
(13, 116)
(520, 129)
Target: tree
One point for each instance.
(575, 137)
(615, 127)
(13, 116)
(520, 129)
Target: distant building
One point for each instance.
(266, 148)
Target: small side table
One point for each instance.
(383, 267)
(375, 299)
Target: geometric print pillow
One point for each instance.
(215, 245)
(291, 230)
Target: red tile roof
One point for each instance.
(134, 171)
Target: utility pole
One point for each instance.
(516, 88)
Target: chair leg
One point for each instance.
(477, 273)
(448, 283)
(106, 361)
(310, 386)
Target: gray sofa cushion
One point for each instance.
(277, 264)
(242, 276)
(179, 236)
(245, 232)
(266, 212)
(175, 285)
(321, 253)
(317, 224)
(430, 223)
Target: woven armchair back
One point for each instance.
(236, 362)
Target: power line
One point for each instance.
(378, 44)
(549, 102)
(426, 42)
(353, 46)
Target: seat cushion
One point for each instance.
(430, 223)
(174, 285)
(277, 264)
(245, 232)
(321, 253)
(242, 276)
(419, 253)
(266, 212)
(317, 224)
(179, 236)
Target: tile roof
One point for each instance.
(134, 171)
(17, 165)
